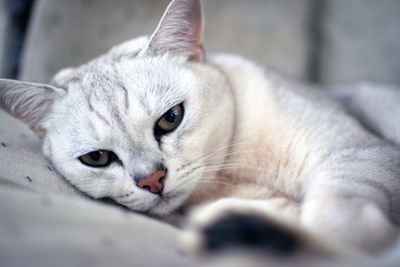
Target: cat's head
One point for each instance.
(140, 124)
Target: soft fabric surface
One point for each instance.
(22, 163)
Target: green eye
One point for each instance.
(99, 158)
(169, 121)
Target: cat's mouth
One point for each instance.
(166, 203)
(166, 198)
(158, 204)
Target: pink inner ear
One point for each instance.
(180, 31)
(197, 54)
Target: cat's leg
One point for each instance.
(252, 224)
(354, 197)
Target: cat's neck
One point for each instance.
(253, 155)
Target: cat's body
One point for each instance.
(247, 137)
(288, 134)
(284, 129)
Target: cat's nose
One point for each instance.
(153, 183)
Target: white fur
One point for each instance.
(247, 133)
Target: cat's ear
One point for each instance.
(180, 31)
(29, 102)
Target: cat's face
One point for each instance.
(149, 110)
(116, 108)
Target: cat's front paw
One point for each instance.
(233, 223)
(248, 231)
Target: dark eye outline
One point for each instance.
(111, 158)
(159, 132)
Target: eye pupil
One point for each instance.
(95, 155)
(170, 116)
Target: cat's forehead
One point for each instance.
(142, 76)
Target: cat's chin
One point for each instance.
(167, 204)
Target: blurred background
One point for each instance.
(319, 41)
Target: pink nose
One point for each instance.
(153, 183)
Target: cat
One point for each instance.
(157, 125)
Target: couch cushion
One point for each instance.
(50, 230)
(22, 162)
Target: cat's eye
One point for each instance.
(169, 121)
(98, 158)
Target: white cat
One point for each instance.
(155, 124)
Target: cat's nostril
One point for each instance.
(153, 183)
